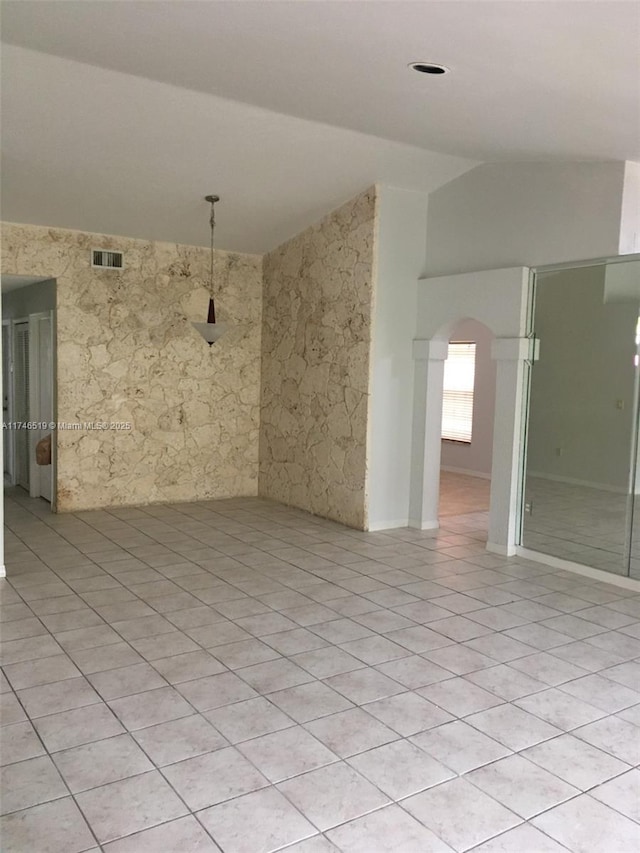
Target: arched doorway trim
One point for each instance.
(497, 298)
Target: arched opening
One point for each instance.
(497, 299)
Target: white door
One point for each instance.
(7, 398)
(41, 400)
(21, 402)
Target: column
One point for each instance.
(429, 356)
(504, 512)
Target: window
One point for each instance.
(457, 398)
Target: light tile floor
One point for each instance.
(240, 676)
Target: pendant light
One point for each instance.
(211, 330)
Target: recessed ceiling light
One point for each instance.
(429, 68)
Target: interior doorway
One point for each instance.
(29, 383)
(468, 406)
(498, 299)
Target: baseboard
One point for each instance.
(578, 568)
(502, 550)
(374, 526)
(418, 524)
(480, 474)
(571, 481)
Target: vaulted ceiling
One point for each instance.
(120, 116)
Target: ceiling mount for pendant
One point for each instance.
(211, 330)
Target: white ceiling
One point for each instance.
(288, 108)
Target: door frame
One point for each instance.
(9, 462)
(498, 299)
(17, 322)
(35, 386)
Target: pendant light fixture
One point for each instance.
(211, 330)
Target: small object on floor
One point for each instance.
(43, 451)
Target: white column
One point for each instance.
(429, 359)
(510, 355)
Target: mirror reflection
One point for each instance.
(582, 441)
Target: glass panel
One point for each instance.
(582, 425)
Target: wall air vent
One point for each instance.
(105, 260)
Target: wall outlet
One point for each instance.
(528, 508)
(620, 405)
(559, 451)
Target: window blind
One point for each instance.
(457, 399)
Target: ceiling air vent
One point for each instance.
(107, 260)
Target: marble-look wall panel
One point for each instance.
(316, 336)
(127, 352)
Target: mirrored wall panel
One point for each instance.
(582, 432)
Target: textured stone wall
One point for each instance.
(127, 352)
(316, 337)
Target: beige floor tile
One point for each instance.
(60, 696)
(575, 761)
(31, 648)
(525, 790)
(18, 742)
(400, 769)
(460, 814)
(78, 726)
(350, 732)
(622, 794)
(275, 675)
(176, 836)
(214, 691)
(512, 726)
(459, 696)
(332, 795)
(523, 838)
(29, 783)
(323, 663)
(125, 681)
(130, 805)
(150, 708)
(179, 739)
(364, 685)
(34, 673)
(586, 825)
(283, 754)
(387, 830)
(188, 667)
(213, 778)
(408, 713)
(249, 719)
(460, 746)
(55, 827)
(259, 822)
(101, 658)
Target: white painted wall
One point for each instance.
(3, 570)
(630, 219)
(475, 458)
(493, 216)
(510, 214)
(402, 228)
(576, 432)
